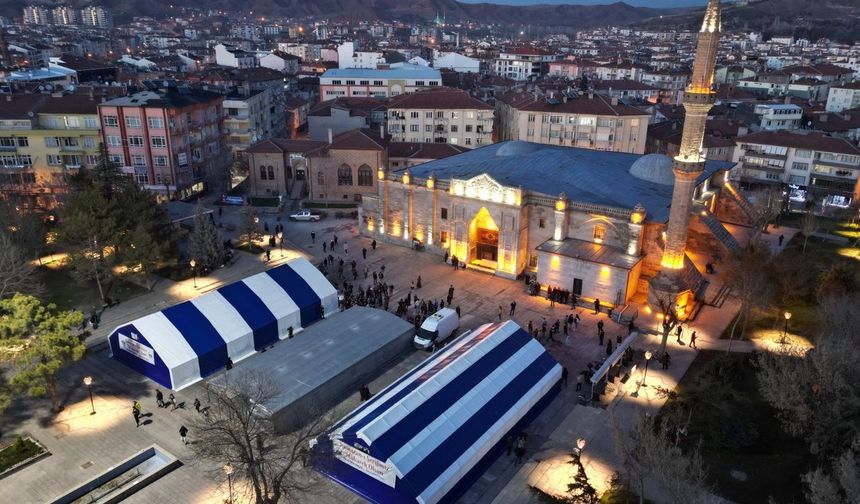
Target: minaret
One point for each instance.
(690, 161)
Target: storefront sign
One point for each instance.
(374, 468)
(137, 349)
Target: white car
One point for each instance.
(305, 215)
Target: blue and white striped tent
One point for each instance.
(426, 437)
(191, 340)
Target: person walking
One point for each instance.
(197, 405)
(183, 434)
(679, 331)
(373, 245)
(346, 248)
(325, 247)
(579, 382)
(364, 253)
(171, 400)
(609, 347)
(693, 340)
(509, 444)
(600, 335)
(500, 313)
(564, 376)
(513, 308)
(457, 310)
(136, 414)
(268, 255)
(418, 283)
(665, 360)
(781, 238)
(159, 398)
(334, 240)
(520, 449)
(596, 306)
(313, 237)
(576, 321)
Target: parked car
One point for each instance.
(305, 215)
(436, 329)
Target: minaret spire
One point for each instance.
(699, 97)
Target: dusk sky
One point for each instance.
(639, 3)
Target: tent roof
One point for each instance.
(438, 421)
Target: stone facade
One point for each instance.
(344, 175)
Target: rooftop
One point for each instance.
(591, 252)
(402, 72)
(584, 175)
(438, 98)
(801, 140)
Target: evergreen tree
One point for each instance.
(580, 490)
(206, 243)
(41, 342)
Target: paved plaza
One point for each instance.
(84, 445)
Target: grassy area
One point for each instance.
(264, 202)
(19, 451)
(250, 247)
(65, 292)
(738, 431)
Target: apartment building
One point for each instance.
(811, 164)
(443, 115)
(377, 83)
(343, 114)
(345, 169)
(843, 97)
(43, 140)
(247, 119)
(96, 17)
(37, 15)
(590, 121)
(523, 63)
(64, 15)
(169, 138)
(778, 116)
(234, 57)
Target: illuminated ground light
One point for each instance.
(850, 252)
(554, 473)
(76, 418)
(772, 340)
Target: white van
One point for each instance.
(436, 329)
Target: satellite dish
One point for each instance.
(31, 114)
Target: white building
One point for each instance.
(523, 63)
(777, 116)
(843, 97)
(808, 162)
(36, 15)
(96, 16)
(281, 61)
(232, 57)
(442, 115)
(457, 63)
(247, 119)
(364, 82)
(348, 57)
(65, 15)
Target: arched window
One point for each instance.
(320, 178)
(271, 172)
(344, 175)
(262, 172)
(365, 175)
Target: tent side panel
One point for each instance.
(135, 353)
(201, 335)
(254, 311)
(318, 282)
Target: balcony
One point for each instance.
(8, 148)
(760, 154)
(751, 166)
(71, 148)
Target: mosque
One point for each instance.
(601, 224)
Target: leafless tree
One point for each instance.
(649, 455)
(808, 226)
(236, 430)
(815, 391)
(840, 485)
(767, 206)
(669, 319)
(17, 274)
(751, 285)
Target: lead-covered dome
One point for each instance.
(655, 168)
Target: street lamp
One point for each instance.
(580, 445)
(787, 316)
(229, 470)
(193, 264)
(281, 243)
(88, 381)
(648, 356)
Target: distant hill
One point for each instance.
(578, 16)
(812, 19)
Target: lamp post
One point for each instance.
(193, 264)
(281, 243)
(580, 445)
(229, 470)
(88, 381)
(787, 316)
(648, 356)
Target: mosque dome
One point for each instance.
(655, 168)
(516, 148)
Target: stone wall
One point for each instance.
(327, 187)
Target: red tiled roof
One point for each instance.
(810, 141)
(423, 150)
(596, 104)
(441, 98)
(281, 145)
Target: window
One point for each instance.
(468, 128)
(132, 121)
(320, 178)
(378, 83)
(114, 140)
(89, 142)
(158, 142)
(531, 118)
(428, 128)
(271, 172)
(350, 83)
(599, 233)
(135, 141)
(533, 261)
(155, 122)
(54, 160)
(413, 127)
(344, 175)
(443, 237)
(91, 122)
(419, 83)
(51, 142)
(263, 173)
(413, 115)
(542, 223)
(428, 115)
(92, 160)
(365, 176)
(453, 128)
(364, 83)
(470, 115)
(468, 141)
(799, 166)
(444, 213)
(110, 121)
(115, 159)
(337, 82)
(159, 160)
(138, 160)
(806, 154)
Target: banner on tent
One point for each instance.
(137, 349)
(374, 468)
